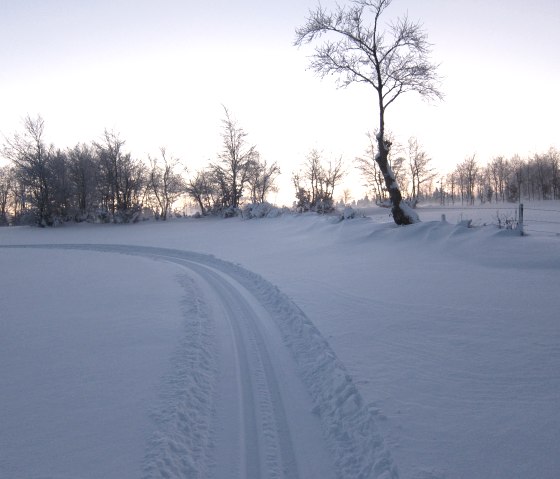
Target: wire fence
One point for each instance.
(534, 224)
(528, 219)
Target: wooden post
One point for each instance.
(520, 222)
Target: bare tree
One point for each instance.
(164, 182)
(62, 186)
(542, 172)
(484, 188)
(303, 195)
(393, 62)
(498, 170)
(346, 197)
(201, 189)
(517, 178)
(109, 153)
(554, 159)
(419, 166)
(235, 161)
(83, 170)
(32, 159)
(315, 185)
(467, 173)
(122, 178)
(440, 192)
(452, 179)
(313, 171)
(7, 184)
(333, 174)
(261, 177)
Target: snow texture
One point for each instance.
(134, 351)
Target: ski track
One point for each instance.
(227, 410)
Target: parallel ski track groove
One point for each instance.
(273, 416)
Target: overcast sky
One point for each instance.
(159, 73)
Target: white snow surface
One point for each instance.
(296, 346)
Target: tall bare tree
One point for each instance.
(498, 170)
(419, 165)
(84, 173)
(467, 173)
(516, 179)
(235, 161)
(122, 178)
(32, 160)
(393, 61)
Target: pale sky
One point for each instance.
(159, 73)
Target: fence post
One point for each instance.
(520, 222)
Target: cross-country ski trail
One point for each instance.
(255, 390)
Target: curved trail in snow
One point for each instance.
(254, 437)
(256, 391)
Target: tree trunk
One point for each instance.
(400, 216)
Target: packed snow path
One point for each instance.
(256, 392)
(254, 434)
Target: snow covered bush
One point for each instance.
(506, 221)
(260, 210)
(348, 213)
(229, 212)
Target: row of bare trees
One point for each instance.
(501, 179)
(102, 182)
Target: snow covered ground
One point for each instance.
(297, 346)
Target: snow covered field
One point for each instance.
(297, 346)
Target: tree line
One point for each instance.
(501, 179)
(102, 182)
(536, 177)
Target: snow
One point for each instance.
(295, 346)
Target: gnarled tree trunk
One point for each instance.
(400, 215)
